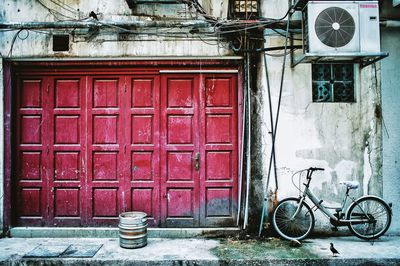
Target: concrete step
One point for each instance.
(107, 232)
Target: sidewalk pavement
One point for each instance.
(199, 251)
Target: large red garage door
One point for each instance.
(88, 146)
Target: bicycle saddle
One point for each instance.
(350, 184)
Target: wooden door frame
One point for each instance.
(50, 65)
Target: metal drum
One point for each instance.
(132, 229)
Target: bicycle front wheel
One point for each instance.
(289, 227)
(370, 217)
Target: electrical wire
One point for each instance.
(15, 38)
(55, 13)
(218, 26)
(63, 7)
(281, 34)
(246, 28)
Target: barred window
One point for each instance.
(333, 83)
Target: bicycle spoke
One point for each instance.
(376, 215)
(292, 227)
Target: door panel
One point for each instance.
(31, 149)
(142, 131)
(179, 145)
(105, 150)
(66, 136)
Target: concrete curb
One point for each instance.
(104, 232)
(267, 262)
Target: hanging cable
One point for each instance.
(280, 95)
(265, 201)
(274, 126)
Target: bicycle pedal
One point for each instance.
(334, 229)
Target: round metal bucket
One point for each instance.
(132, 229)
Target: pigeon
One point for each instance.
(334, 251)
(93, 15)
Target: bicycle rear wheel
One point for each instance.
(289, 227)
(370, 217)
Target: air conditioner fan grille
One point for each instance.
(335, 27)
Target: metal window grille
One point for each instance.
(333, 83)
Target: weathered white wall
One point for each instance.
(105, 44)
(391, 110)
(343, 138)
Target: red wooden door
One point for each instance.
(89, 146)
(179, 150)
(50, 145)
(198, 150)
(218, 149)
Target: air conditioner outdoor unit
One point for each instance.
(341, 27)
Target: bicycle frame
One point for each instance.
(336, 221)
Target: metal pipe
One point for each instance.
(241, 160)
(248, 161)
(103, 23)
(390, 23)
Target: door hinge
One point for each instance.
(47, 88)
(125, 87)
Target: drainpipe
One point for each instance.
(241, 159)
(248, 161)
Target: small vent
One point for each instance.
(60, 43)
(335, 27)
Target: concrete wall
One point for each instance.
(391, 111)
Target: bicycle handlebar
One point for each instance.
(316, 169)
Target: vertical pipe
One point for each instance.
(241, 159)
(272, 158)
(248, 161)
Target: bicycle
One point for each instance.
(367, 217)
